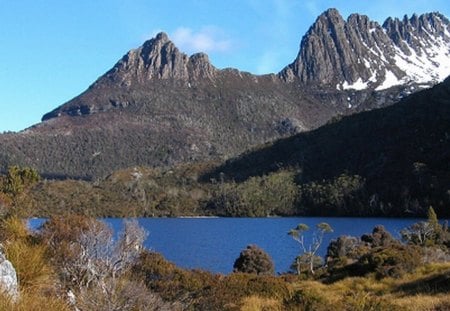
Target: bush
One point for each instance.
(379, 237)
(342, 251)
(119, 294)
(254, 260)
(393, 261)
(201, 290)
(308, 300)
(17, 179)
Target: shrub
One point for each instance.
(393, 261)
(306, 300)
(201, 290)
(379, 237)
(119, 294)
(254, 260)
(342, 251)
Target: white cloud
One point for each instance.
(208, 39)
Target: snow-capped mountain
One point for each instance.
(361, 54)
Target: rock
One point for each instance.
(8, 277)
(159, 58)
(360, 54)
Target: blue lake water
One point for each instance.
(213, 244)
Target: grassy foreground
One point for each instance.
(73, 262)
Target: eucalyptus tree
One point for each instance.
(309, 250)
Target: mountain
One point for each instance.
(360, 54)
(158, 106)
(400, 155)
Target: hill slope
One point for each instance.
(402, 152)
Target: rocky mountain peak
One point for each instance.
(159, 58)
(162, 36)
(359, 53)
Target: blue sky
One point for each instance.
(52, 50)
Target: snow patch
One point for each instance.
(390, 80)
(429, 64)
(358, 85)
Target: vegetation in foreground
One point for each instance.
(73, 261)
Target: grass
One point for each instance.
(256, 303)
(32, 301)
(428, 288)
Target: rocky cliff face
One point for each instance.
(361, 54)
(159, 58)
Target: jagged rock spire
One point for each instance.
(359, 53)
(159, 58)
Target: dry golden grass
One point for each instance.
(32, 268)
(255, 303)
(12, 229)
(34, 273)
(32, 301)
(424, 302)
(411, 292)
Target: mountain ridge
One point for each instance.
(158, 106)
(359, 53)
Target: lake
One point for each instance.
(213, 244)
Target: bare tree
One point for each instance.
(100, 256)
(96, 264)
(418, 233)
(309, 251)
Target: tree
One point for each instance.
(100, 257)
(254, 260)
(93, 265)
(17, 179)
(86, 252)
(308, 251)
(425, 233)
(419, 233)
